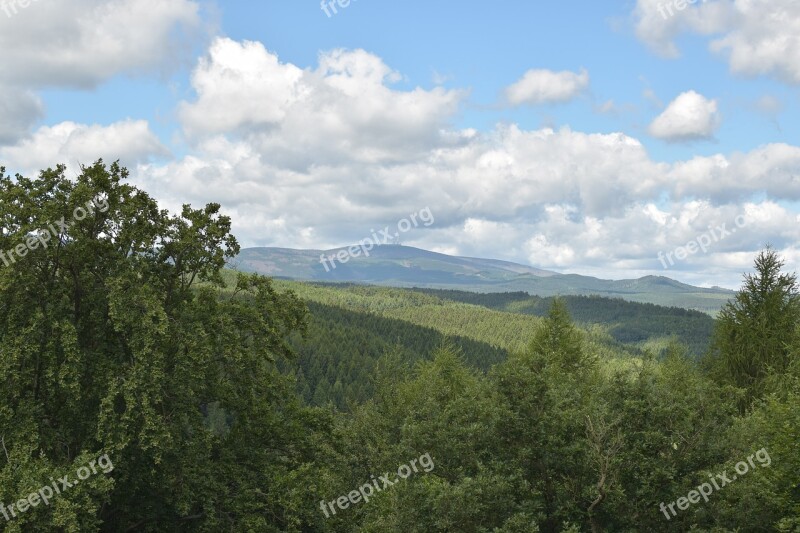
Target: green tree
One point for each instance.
(670, 417)
(767, 497)
(116, 338)
(755, 331)
(559, 341)
(448, 411)
(551, 429)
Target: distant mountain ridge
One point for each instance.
(406, 266)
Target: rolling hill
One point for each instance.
(352, 326)
(406, 266)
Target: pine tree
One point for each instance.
(558, 341)
(756, 329)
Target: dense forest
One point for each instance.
(628, 322)
(201, 393)
(349, 329)
(338, 353)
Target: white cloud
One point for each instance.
(240, 85)
(772, 169)
(319, 157)
(765, 40)
(540, 86)
(758, 37)
(628, 245)
(689, 116)
(344, 110)
(659, 22)
(72, 144)
(81, 43)
(556, 199)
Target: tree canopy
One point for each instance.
(114, 339)
(757, 330)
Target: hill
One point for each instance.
(626, 322)
(405, 266)
(351, 326)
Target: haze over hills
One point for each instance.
(406, 266)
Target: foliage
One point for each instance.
(757, 328)
(626, 322)
(337, 356)
(106, 346)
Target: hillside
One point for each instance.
(627, 322)
(352, 326)
(337, 358)
(405, 266)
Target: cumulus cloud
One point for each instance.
(554, 199)
(81, 43)
(344, 109)
(690, 116)
(506, 175)
(627, 245)
(73, 144)
(540, 86)
(758, 37)
(235, 70)
(772, 169)
(765, 39)
(659, 22)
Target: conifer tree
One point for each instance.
(557, 340)
(755, 330)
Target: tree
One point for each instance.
(558, 341)
(768, 496)
(548, 393)
(116, 337)
(755, 331)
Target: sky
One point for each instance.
(616, 139)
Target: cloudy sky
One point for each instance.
(579, 136)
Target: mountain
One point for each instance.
(406, 266)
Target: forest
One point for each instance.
(213, 400)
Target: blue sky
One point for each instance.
(579, 136)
